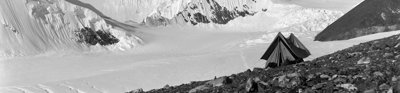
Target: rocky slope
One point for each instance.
(369, 67)
(369, 17)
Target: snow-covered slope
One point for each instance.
(39, 26)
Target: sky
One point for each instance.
(341, 5)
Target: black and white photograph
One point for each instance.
(199, 46)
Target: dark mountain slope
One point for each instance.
(371, 67)
(369, 17)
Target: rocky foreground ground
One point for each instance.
(371, 67)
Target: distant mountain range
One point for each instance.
(222, 12)
(207, 11)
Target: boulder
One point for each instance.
(384, 87)
(390, 90)
(259, 81)
(378, 74)
(220, 81)
(310, 76)
(324, 76)
(199, 88)
(364, 60)
(227, 80)
(369, 91)
(396, 87)
(167, 86)
(397, 57)
(387, 55)
(397, 45)
(340, 80)
(251, 86)
(287, 81)
(308, 90)
(348, 86)
(318, 86)
(394, 79)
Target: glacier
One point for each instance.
(45, 26)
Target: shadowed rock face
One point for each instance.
(88, 36)
(369, 17)
(220, 15)
(212, 12)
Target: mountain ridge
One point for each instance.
(42, 26)
(369, 17)
(204, 11)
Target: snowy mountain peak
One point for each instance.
(38, 26)
(207, 11)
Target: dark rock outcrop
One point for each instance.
(156, 20)
(369, 17)
(220, 14)
(88, 36)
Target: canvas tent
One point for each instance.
(285, 51)
(299, 49)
